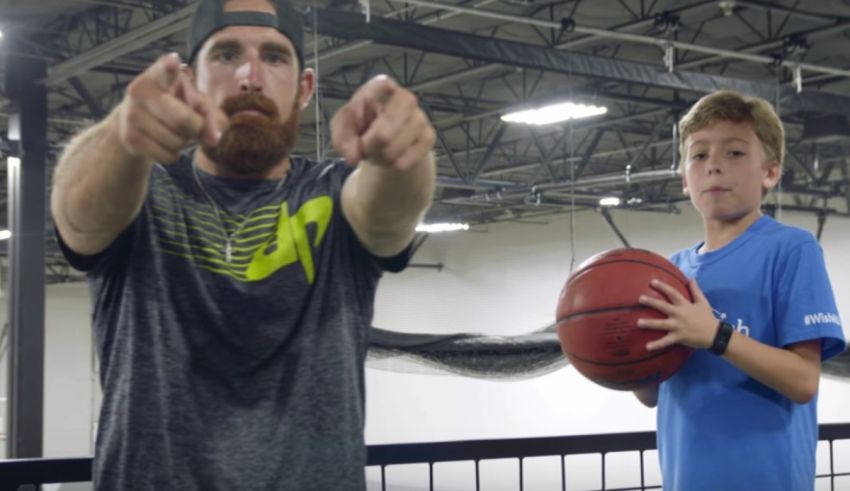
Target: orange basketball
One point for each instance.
(597, 319)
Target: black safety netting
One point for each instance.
(490, 357)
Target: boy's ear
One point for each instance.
(772, 175)
(684, 185)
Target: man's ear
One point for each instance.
(307, 84)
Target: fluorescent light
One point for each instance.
(5, 234)
(609, 201)
(554, 113)
(433, 228)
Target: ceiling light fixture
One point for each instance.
(433, 228)
(554, 113)
(609, 201)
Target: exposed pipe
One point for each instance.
(635, 38)
(770, 6)
(616, 179)
(610, 221)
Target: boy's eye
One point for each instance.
(736, 153)
(698, 156)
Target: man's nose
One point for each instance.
(249, 76)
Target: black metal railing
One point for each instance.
(383, 456)
(20, 472)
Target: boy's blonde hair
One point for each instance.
(728, 105)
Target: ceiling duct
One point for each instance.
(827, 128)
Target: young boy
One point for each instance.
(742, 412)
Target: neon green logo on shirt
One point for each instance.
(291, 244)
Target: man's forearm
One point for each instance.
(98, 188)
(387, 203)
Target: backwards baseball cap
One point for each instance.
(210, 18)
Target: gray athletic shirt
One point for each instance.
(245, 375)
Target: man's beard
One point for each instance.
(253, 144)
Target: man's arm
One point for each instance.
(98, 188)
(384, 205)
(101, 178)
(386, 134)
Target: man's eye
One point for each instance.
(276, 58)
(225, 56)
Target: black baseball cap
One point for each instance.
(210, 17)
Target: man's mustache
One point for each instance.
(250, 102)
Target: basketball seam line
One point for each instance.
(636, 306)
(632, 362)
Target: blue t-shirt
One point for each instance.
(718, 428)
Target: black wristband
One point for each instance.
(721, 339)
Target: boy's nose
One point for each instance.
(713, 165)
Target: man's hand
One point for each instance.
(162, 113)
(383, 124)
(690, 323)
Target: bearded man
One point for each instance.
(233, 283)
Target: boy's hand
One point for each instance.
(687, 323)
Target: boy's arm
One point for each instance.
(647, 395)
(793, 372)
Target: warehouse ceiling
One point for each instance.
(470, 62)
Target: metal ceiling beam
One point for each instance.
(632, 165)
(588, 153)
(488, 154)
(94, 107)
(627, 37)
(341, 50)
(546, 163)
(772, 6)
(485, 69)
(603, 123)
(126, 43)
(404, 34)
(809, 35)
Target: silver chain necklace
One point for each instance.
(228, 237)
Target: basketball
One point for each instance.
(597, 318)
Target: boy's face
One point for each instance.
(726, 170)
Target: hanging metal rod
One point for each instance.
(624, 36)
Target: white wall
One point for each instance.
(506, 281)
(502, 281)
(69, 383)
